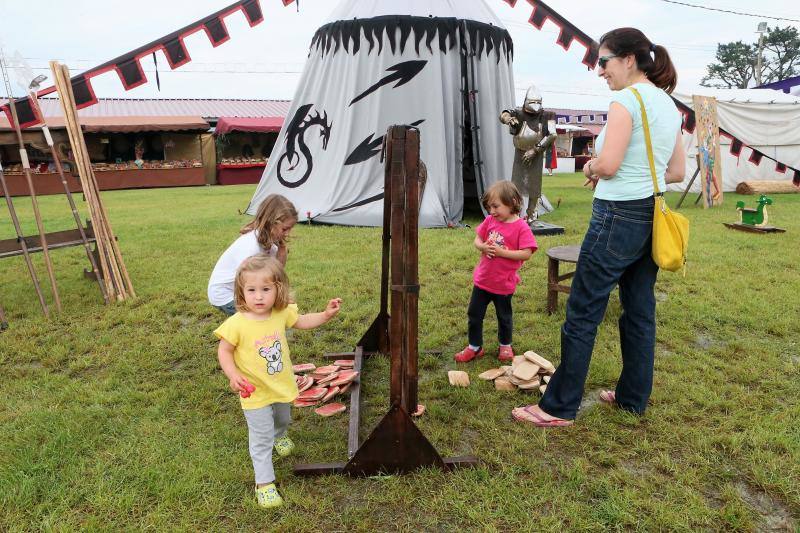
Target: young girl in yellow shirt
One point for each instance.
(254, 355)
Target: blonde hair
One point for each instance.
(507, 193)
(272, 269)
(274, 210)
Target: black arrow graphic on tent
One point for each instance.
(369, 148)
(402, 73)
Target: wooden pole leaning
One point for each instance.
(59, 167)
(78, 149)
(22, 243)
(26, 168)
(116, 278)
(120, 269)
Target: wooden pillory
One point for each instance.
(396, 445)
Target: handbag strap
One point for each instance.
(647, 142)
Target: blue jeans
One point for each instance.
(229, 308)
(615, 251)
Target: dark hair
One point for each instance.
(507, 193)
(631, 42)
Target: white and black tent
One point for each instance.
(444, 66)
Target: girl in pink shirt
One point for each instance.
(505, 241)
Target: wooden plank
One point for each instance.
(754, 229)
(411, 271)
(318, 469)
(394, 160)
(355, 404)
(55, 239)
(707, 131)
(461, 461)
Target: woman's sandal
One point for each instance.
(528, 415)
(608, 396)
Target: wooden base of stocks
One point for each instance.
(396, 445)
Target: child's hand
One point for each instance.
(491, 250)
(333, 308)
(239, 384)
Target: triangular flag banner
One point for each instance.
(128, 66)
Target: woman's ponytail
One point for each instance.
(652, 59)
(662, 74)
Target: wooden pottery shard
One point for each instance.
(314, 394)
(507, 369)
(326, 369)
(345, 377)
(332, 391)
(537, 359)
(526, 371)
(529, 385)
(344, 388)
(327, 378)
(492, 374)
(517, 360)
(303, 367)
(305, 384)
(503, 383)
(331, 409)
(344, 363)
(458, 378)
(304, 403)
(546, 379)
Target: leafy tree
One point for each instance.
(735, 62)
(734, 68)
(782, 54)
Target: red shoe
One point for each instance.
(467, 354)
(505, 354)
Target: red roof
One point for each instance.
(262, 124)
(208, 108)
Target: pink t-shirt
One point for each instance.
(498, 275)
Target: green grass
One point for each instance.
(117, 417)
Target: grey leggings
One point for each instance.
(265, 425)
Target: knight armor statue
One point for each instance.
(531, 127)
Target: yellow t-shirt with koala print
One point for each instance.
(262, 355)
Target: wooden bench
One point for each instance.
(556, 255)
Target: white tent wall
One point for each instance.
(769, 121)
(344, 184)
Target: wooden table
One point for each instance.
(556, 255)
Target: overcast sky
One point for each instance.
(265, 61)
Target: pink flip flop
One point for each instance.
(608, 396)
(536, 419)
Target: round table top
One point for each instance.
(565, 253)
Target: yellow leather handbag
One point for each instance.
(670, 229)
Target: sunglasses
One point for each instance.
(603, 61)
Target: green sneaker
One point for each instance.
(268, 496)
(284, 446)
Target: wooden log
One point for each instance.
(767, 187)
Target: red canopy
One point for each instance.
(257, 124)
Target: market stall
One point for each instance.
(126, 152)
(243, 147)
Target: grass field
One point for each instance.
(118, 418)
